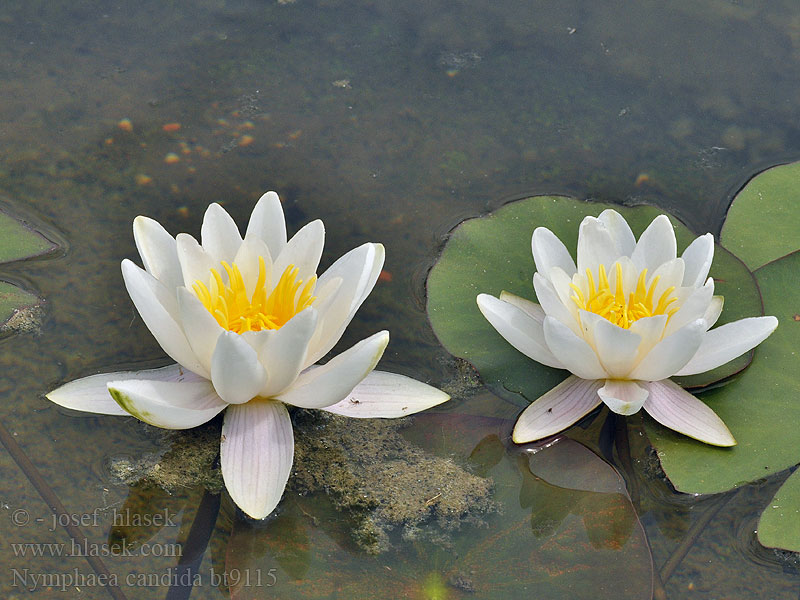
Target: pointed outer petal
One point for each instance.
(518, 328)
(219, 234)
(247, 260)
(533, 310)
(168, 404)
(303, 251)
(727, 342)
(616, 347)
(158, 308)
(620, 231)
(556, 410)
(714, 310)
(651, 330)
(670, 354)
(195, 262)
(698, 257)
(674, 407)
(158, 250)
(283, 353)
(656, 245)
(595, 246)
(622, 396)
(552, 305)
(358, 270)
(670, 274)
(387, 396)
(325, 385)
(256, 455)
(235, 370)
(201, 329)
(268, 224)
(575, 354)
(549, 252)
(694, 307)
(561, 284)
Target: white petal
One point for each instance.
(256, 455)
(616, 347)
(622, 396)
(235, 370)
(533, 310)
(219, 234)
(574, 353)
(518, 328)
(714, 310)
(321, 386)
(551, 303)
(595, 246)
(561, 284)
(303, 251)
(268, 224)
(200, 327)
(557, 409)
(90, 394)
(358, 271)
(669, 273)
(283, 353)
(168, 404)
(651, 330)
(388, 396)
(694, 307)
(698, 257)
(656, 245)
(158, 251)
(673, 407)
(670, 354)
(158, 308)
(620, 231)
(727, 342)
(196, 263)
(247, 260)
(549, 251)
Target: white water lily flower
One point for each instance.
(625, 319)
(246, 320)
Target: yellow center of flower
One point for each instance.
(233, 310)
(615, 306)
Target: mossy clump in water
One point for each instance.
(366, 466)
(371, 471)
(190, 457)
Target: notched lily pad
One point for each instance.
(20, 310)
(20, 240)
(762, 222)
(493, 253)
(760, 407)
(779, 525)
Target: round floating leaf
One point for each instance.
(763, 223)
(18, 240)
(15, 301)
(760, 407)
(493, 253)
(779, 525)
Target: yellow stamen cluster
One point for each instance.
(614, 306)
(235, 312)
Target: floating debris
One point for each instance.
(171, 127)
(171, 158)
(125, 125)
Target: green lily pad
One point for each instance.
(779, 525)
(760, 407)
(767, 206)
(18, 308)
(20, 241)
(493, 253)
